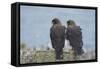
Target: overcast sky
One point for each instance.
(36, 23)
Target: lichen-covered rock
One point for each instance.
(29, 55)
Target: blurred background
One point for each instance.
(36, 23)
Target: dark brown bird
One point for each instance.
(57, 35)
(74, 35)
